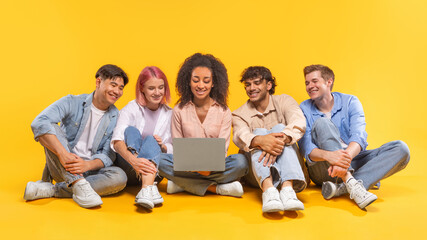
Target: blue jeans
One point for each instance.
(369, 165)
(286, 167)
(144, 148)
(104, 181)
(236, 167)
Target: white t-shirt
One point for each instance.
(83, 147)
(135, 115)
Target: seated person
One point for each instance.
(78, 154)
(334, 144)
(202, 112)
(268, 126)
(143, 132)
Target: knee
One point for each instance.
(321, 122)
(278, 128)
(150, 140)
(323, 125)
(132, 131)
(260, 131)
(240, 164)
(404, 151)
(118, 176)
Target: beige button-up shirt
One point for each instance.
(217, 124)
(246, 119)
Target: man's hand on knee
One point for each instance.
(77, 166)
(66, 158)
(272, 143)
(339, 158)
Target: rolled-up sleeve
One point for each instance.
(167, 133)
(242, 135)
(124, 120)
(306, 145)
(55, 113)
(295, 120)
(107, 156)
(357, 123)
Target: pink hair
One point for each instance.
(146, 74)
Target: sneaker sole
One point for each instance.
(368, 202)
(327, 191)
(87, 205)
(25, 193)
(274, 209)
(295, 208)
(158, 201)
(146, 205)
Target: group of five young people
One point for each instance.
(330, 129)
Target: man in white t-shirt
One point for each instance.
(78, 153)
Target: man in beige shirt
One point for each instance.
(267, 126)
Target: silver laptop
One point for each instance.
(198, 154)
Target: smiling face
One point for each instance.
(153, 91)
(257, 89)
(107, 92)
(317, 87)
(201, 83)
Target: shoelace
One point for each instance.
(146, 193)
(290, 194)
(85, 189)
(357, 189)
(154, 190)
(272, 196)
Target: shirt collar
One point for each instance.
(337, 105)
(253, 112)
(191, 103)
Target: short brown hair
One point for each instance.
(325, 72)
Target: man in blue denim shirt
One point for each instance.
(78, 154)
(334, 143)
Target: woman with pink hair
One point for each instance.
(143, 131)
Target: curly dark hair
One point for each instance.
(219, 78)
(259, 72)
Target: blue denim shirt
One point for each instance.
(347, 115)
(73, 112)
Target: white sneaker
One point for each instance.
(39, 189)
(234, 189)
(271, 201)
(84, 195)
(359, 194)
(155, 195)
(290, 200)
(330, 190)
(173, 188)
(144, 198)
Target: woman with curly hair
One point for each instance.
(143, 132)
(202, 112)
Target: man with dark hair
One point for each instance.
(78, 154)
(267, 126)
(334, 144)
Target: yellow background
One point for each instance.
(377, 50)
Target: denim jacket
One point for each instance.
(347, 115)
(73, 112)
